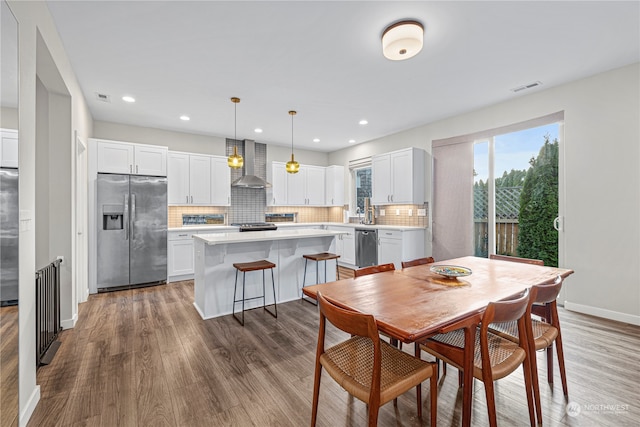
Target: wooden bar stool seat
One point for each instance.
(323, 256)
(245, 267)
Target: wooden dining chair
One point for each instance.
(495, 357)
(419, 261)
(373, 269)
(542, 335)
(368, 368)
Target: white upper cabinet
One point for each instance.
(189, 179)
(334, 185)
(277, 176)
(398, 177)
(306, 187)
(9, 149)
(220, 181)
(129, 158)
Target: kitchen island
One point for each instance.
(216, 253)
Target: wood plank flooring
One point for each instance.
(145, 358)
(9, 366)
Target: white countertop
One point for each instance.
(255, 236)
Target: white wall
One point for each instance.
(601, 177)
(34, 18)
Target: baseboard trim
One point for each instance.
(604, 313)
(32, 402)
(69, 323)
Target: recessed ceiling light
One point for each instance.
(185, 118)
(363, 122)
(257, 130)
(128, 98)
(316, 139)
(351, 141)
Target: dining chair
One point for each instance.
(494, 356)
(368, 368)
(419, 261)
(542, 335)
(374, 269)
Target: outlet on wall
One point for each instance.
(410, 213)
(422, 212)
(397, 212)
(382, 212)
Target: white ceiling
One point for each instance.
(324, 60)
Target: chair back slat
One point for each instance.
(517, 259)
(419, 261)
(506, 311)
(351, 322)
(548, 293)
(374, 269)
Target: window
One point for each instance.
(360, 183)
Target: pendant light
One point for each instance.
(292, 165)
(235, 161)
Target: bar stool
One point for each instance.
(323, 256)
(254, 266)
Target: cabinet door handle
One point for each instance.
(187, 201)
(130, 168)
(191, 199)
(136, 168)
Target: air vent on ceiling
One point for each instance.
(527, 86)
(102, 97)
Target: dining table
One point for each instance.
(415, 303)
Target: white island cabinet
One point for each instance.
(215, 255)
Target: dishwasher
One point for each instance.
(366, 247)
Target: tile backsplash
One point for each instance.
(399, 215)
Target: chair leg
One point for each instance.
(535, 382)
(433, 392)
(549, 352)
(373, 415)
(563, 374)
(419, 386)
(304, 278)
(337, 270)
(526, 367)
(491, 402)
(316, 393)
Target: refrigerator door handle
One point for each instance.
(133, 213)
(126, 217)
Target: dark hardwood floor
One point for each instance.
(144, 357)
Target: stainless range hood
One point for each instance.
(249, 179)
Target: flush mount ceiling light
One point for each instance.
(292, 166)
(235, 161)
(402, 40)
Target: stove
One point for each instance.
(255, 226)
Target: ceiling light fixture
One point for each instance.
(363, 122)
(235, 161)
(257, 130)
(185, 118)
(292, 165)
(316, 139)
(351, 141)
(128, 99)
(402, 40)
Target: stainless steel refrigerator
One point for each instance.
(132, 230)
(8, 236)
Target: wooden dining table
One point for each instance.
(414, 303)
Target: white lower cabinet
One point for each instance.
(345, 244)
(400, 245)
(180, 255)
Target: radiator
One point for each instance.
(47, 312)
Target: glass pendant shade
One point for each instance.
(235, 161)
(292, 166)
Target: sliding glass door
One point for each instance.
(516, 194)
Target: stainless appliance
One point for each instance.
(8, 236)
(132, 230)
(255, 226)
(366, 247)
(249, 179)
